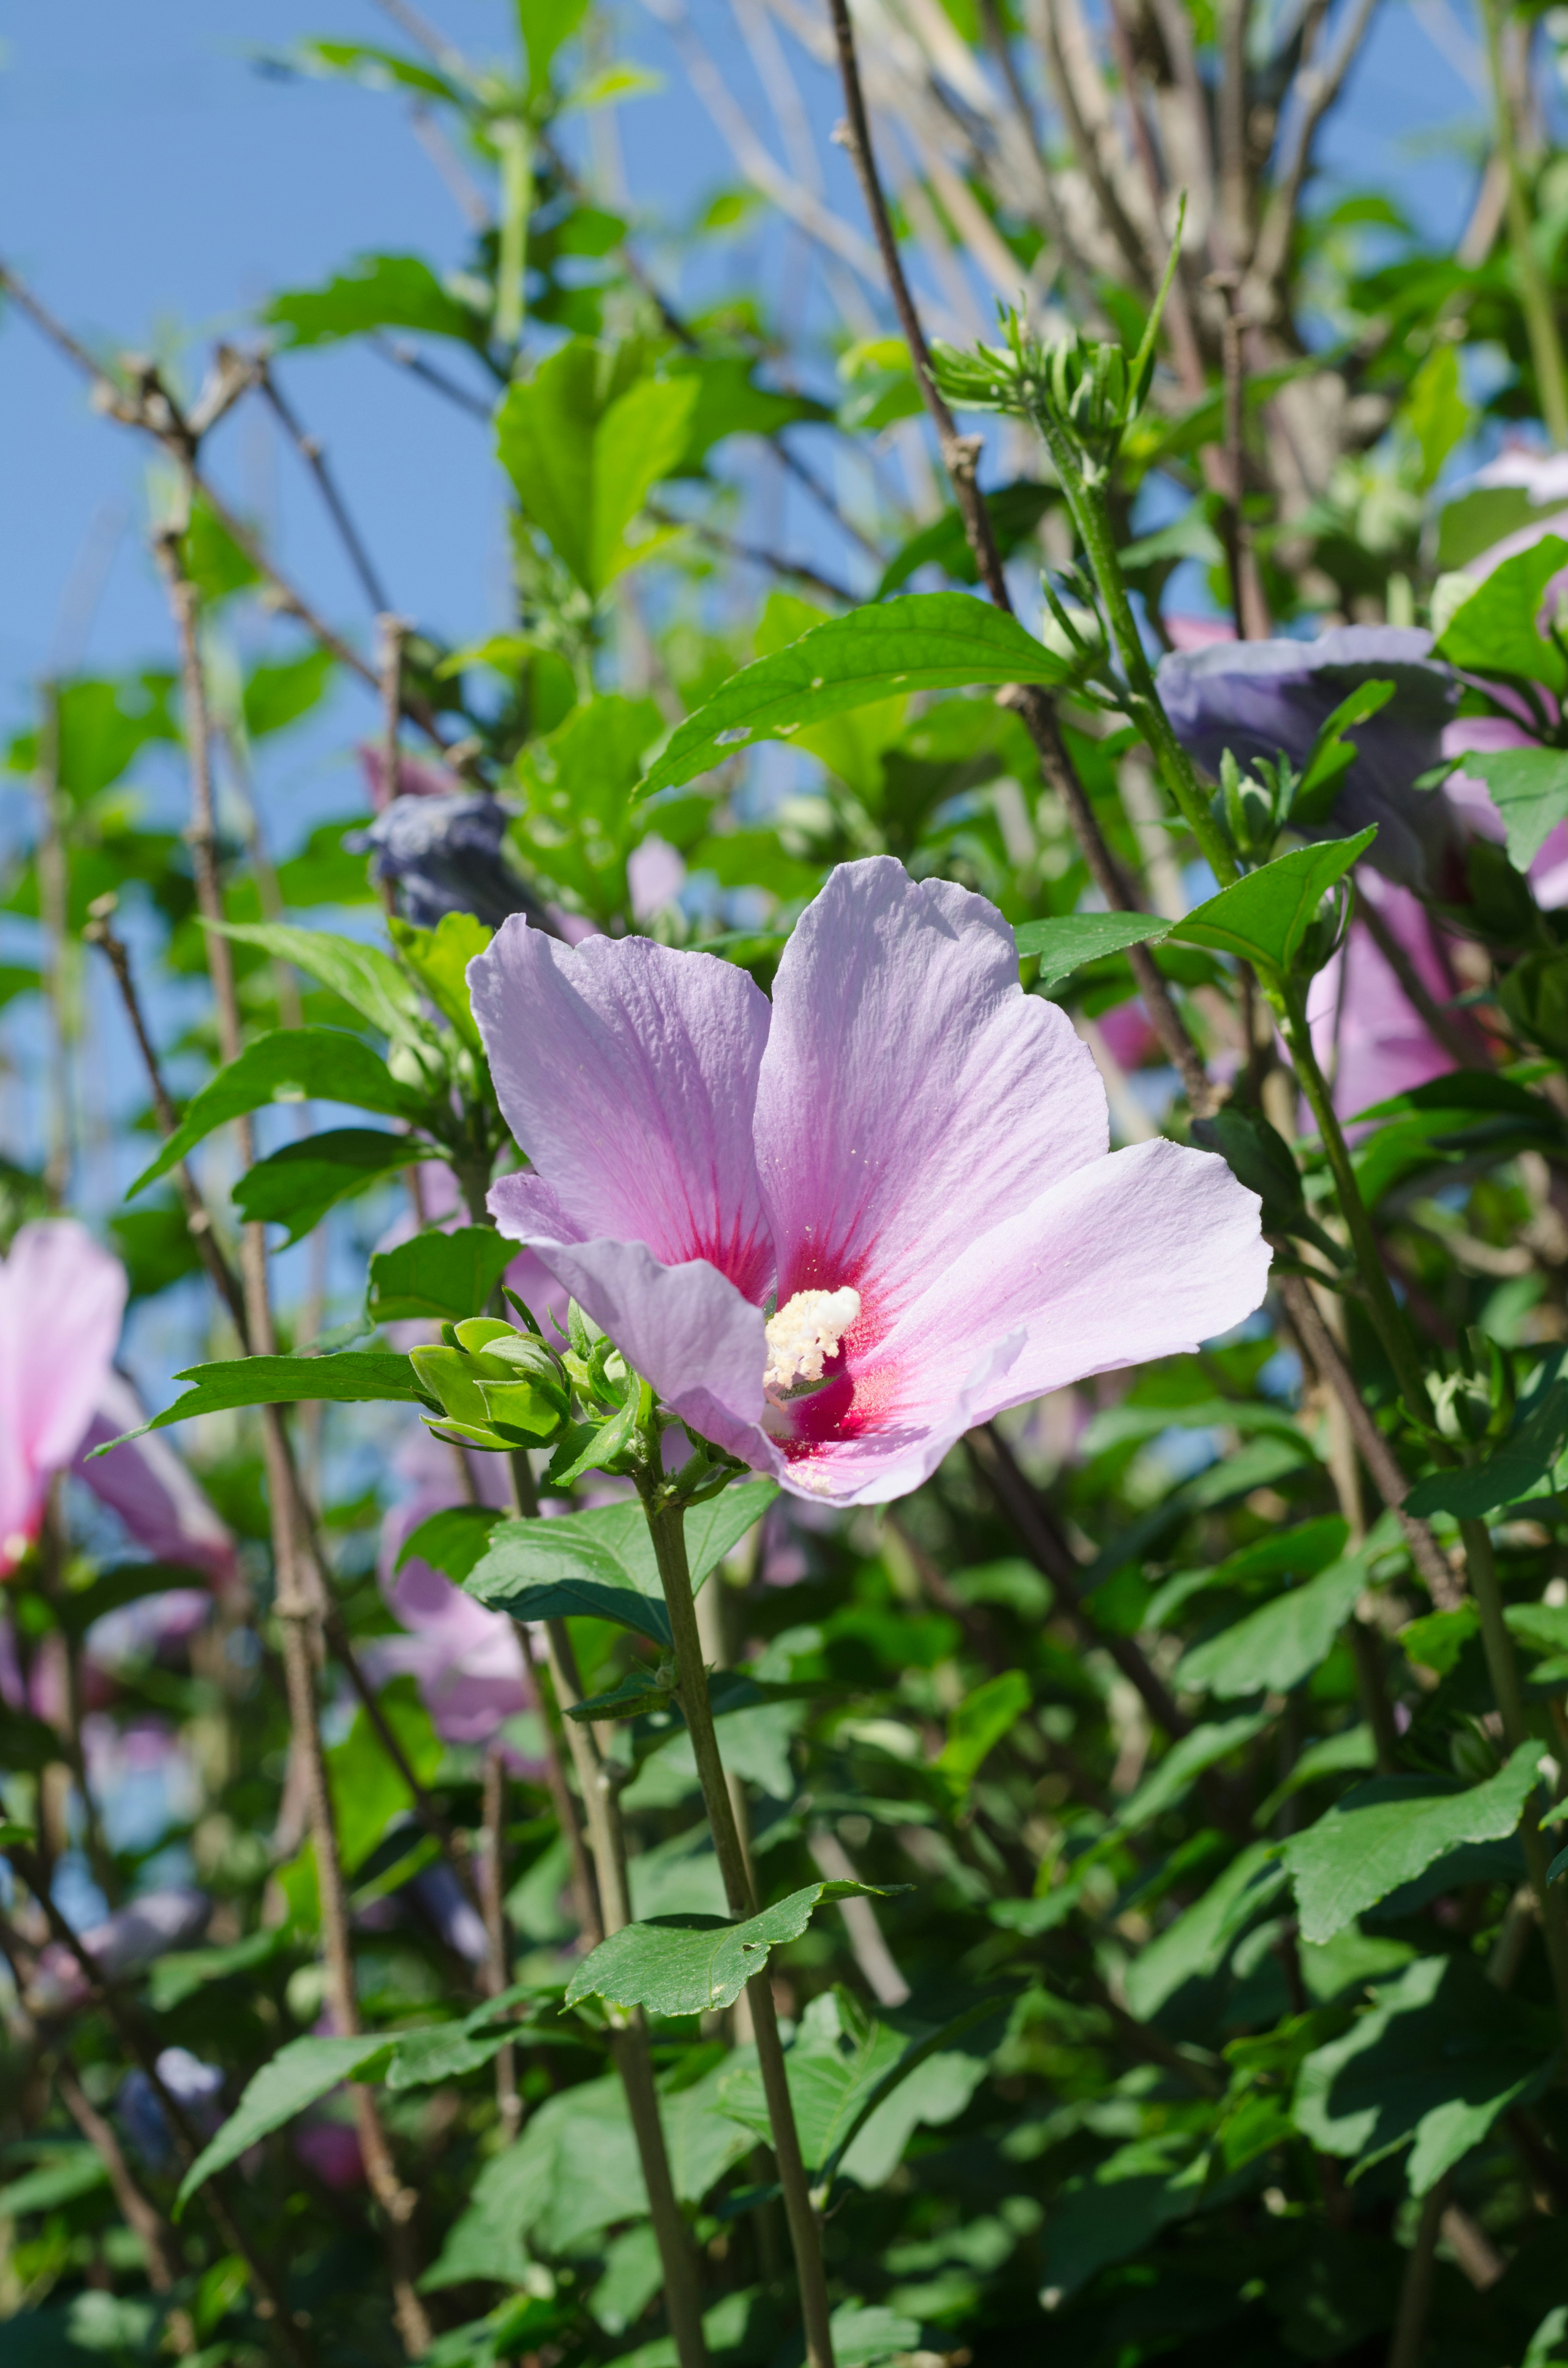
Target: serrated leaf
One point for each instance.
(583, 467)
(381, 291)
(447, 2052)
(295, 2078)
(366, 978)
(440, 959)
(602, 1562)
(440, 1276)
(1063, 945)
(1197, 1945)
(688, 1965)
(357, 1376)
(1530, 790)
(1263, 917)
(1524, 1460)
(1173, 1777)
(1495, 631)
(1275, 1647)
(297, 1186)
(931, 641)
(287, 1064)
(1442, 2054)
(1386, 1833)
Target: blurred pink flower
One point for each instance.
(61, 1298)
(903, 1152)
(466, 1661)
(1470, 796)
(1197, 632)
(414, 780)
(330, 2149)
(123, 1945)
(1127, 1035)
(145, 1483)
(1369, 1040)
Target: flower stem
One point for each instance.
(1091, 517)
(1503, 1668)
(667, 1527)
(628, 2032)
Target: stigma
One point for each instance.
(805, 1332)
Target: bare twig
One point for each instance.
(159, 2245)
(730, 545)
(1313, 92)
(393, 349)
(960, 456)
(314, 454)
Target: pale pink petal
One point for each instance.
(911, 1091)
(686, 1328)
(1197, 632)
(627, 1072)
(1141, 1254)
(154, 1495)
(61, 1298)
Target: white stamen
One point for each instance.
(804, 1334)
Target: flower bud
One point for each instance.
(498, 1387)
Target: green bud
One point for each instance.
(498, 1387)
(447, 1376)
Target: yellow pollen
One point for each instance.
(804, 1334)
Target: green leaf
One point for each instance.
(442, 1277)
(1332, 755)
(542, 26)
(367, 979)
(1064, 945)
(1522, 1464)
(368, 1788)
(978, 1724)
(295, 2078)
(1437, 1640)
(277, 695)
(297, 1186)
(54, 2183)
(931, 641)
(602, 1563)
(1530, 789)
(381, 291)
(688, 1965)
(1384, 1834)
(287, 1064)
(183, 1972)
(440, 959)
(1263, 917)
(1016, 510)
(583, 467)
(1173, 1777)
(593, 1446)
(1442, 2054)
(355, 1377)
(452, 1541)
(1274, 1648)
(447, 2052)
(1196, 1946)
(1494, 632)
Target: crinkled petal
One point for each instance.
(685, 1328)
(1141, 1254)
(627, 1073)
(911, 1091)
(61, 1298)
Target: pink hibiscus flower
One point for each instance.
(61, 1298)
(1369, 1040)
(835, 1230)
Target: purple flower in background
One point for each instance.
(466, 1661)
(1368, 1038)
(123, 1945)
(904, 1158)
(195, 2086)
(145, 1483)
(61, 1298)
(1270, 699)
(443, 853)
(1482, 736)
(415, 780)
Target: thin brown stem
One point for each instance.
(1387, 1474)
(159, 2243)
(49, 863)
(1415, 2288)
(1253, 621)
(312, 452)
(497, 1970)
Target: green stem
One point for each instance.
(628, 2032)
(1535, 290)
(1503, 1668)
(1091, 517)
(667, 1527)
(1384, 1308)
(515, 145)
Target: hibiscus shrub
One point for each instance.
(866, 1661)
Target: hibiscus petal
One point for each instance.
(685, 1328)
(154, 1493)
(910, 1090)
(1141, 1254)
(627, 1073)
(61, 1298)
